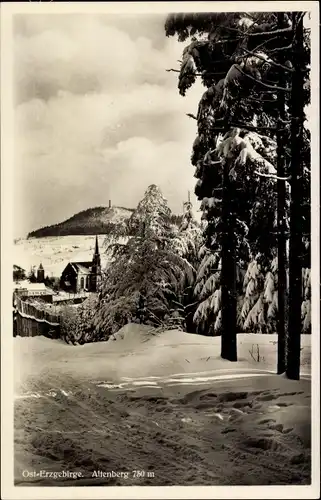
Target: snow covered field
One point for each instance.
(162, 403)
(137, 352)
(55, 252)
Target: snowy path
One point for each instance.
(188, 380)
(170, 406)
(200, 428)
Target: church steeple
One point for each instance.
(95, 268)
(40, 274)
(96, 257)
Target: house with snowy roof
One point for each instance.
(25, 289)
(82, 276)
(18, 273)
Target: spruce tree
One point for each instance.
(147, 276)
(281, 217)
(296, 239)
(239, 58)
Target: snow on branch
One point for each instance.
(196, 74)
(279, 49)
(274, 87)
(260, 33)
(269, 60)
(252, 127)
(272, 176)
(244, 148)
(271, 33)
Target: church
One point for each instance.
(82, 276)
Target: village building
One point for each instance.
(40, 274)
(18, 273)
(25, 289)
(82, 276)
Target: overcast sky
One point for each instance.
(97, 116)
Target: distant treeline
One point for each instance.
(98, 220)
(77, 229)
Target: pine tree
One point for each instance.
(187, 244)
(281, 217)
(296, 240)
(306, 304)
(151, 213)
(147, 276)
(215, 107)
(77, 322)
(188, 238)
(239, 57)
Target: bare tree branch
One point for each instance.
(252, 99)
(246, 34)
(273, 32)
(191, 115)
(278, 49)
(265, 42)
(285, 122)
(197, 74)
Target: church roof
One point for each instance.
(17, 268)
(82, 267)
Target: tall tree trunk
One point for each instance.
(296, 246)
(281, 217)
(228, 271)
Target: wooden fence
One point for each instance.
(31, 320)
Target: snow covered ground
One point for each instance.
(136, 351)
(164, 403)
(55, 252)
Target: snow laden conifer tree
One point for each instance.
(152, 213)
(306, 304)
(207, 290)
(189, 236)
(77, 323)
(146, 279)
(239, 57)
(187, 244)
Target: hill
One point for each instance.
(98, 220)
